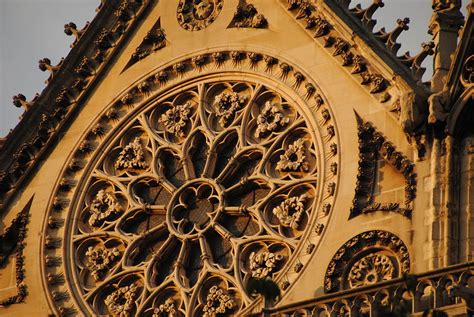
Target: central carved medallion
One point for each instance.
(195, 15)
(194, 208)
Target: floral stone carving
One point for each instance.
(218, 302)
(270, 120)
(196, 15)
(99, 260)
(176, 118)
(294, 158)
(247, 16)
(371, 269)
(153, 41)
(166, 309)
(227, 104)
(289, 212)
(104, 206)
(131, 157)
(263, 263)
(120, 302)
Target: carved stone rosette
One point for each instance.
(195, 192)
(368, 258)
(196, 15)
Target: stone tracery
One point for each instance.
(183, 212)
(131, 156)
(175, 119)
(209, 164)
(294, 158)
(368, 258)
(371, 269)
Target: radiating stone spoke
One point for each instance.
(226, 234)
(236, 210)
(206, 254)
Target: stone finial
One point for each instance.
(101, 5)
(20, 101)
(365, 15)
(390, 38)
(125, 11)
(414, 62)
(45, 65)
(71, 29)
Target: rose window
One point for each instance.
(195, 195)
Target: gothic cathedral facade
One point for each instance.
(259, 157)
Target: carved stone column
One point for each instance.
(433, 216)
(466, 201)
(444, 26)
(450, 214)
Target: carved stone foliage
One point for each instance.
(195, 15)
(153, 41)
(12, 244)
(314, 20)
(247, 16)
(372, 147)
(121, 301)
(368, 258)
(195, 189)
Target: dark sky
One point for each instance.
(33, 29)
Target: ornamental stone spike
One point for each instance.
(20, 101)
(365, 15)
(71, 29)
(45, 65)
(414, 62)
(390, 38)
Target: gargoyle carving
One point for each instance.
(438, 103)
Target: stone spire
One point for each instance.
(444, 26)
